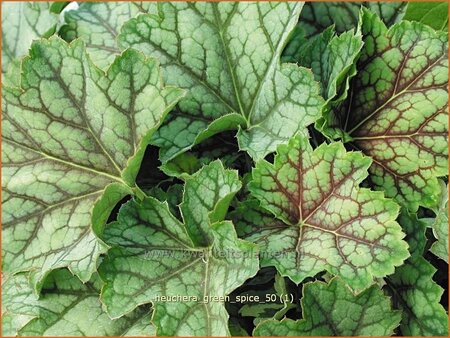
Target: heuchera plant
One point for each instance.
(235, 168)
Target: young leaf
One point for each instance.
(97, 23)
(228, 56)
(73, 139)
(440, 225)
(221, 146)
(206, 198)
(324, 221)
(23, 22)
(67, 307)
(333, 310)
(397, 111)
(181, 166)
(155, 255)
(173, 196)
(317, 16)
(413, 289)
(332, 59)
(433, 14)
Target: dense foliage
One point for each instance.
(235, 168)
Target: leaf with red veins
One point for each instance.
(397, 111)
(325, 221)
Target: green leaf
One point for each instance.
(333, 310)
(207, 195)
(156, 255)
(413, 289)
(23, 22)
(317, 16)
(389, 12)
(97, 24)
(324, 221)
(236, 330)
(181, 166)
(66, 307)
(397, 111)
(57, 7)
(18, 300)
(173, 196)
(221, 146)
(241, 305)
(276, 306)
(73, 139)
(260, 311)
(330, 57)
(228, 56)
(11, 78)
(433, 14)
(440, 225)
(252, 221)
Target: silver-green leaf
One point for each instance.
(73, 139)
(228, 55)
(23, 22)
(155, 255)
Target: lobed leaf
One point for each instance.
(333, 310)
(207, 195)
(23, 22)
(332, 59)
(329, 56)
(228, 56)
(73, 140)
(66, 307)
(324, 221)
(413, 289)
(397, 109)
(98, 23)
(440, 225)
(156, 255)
(317, 16)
